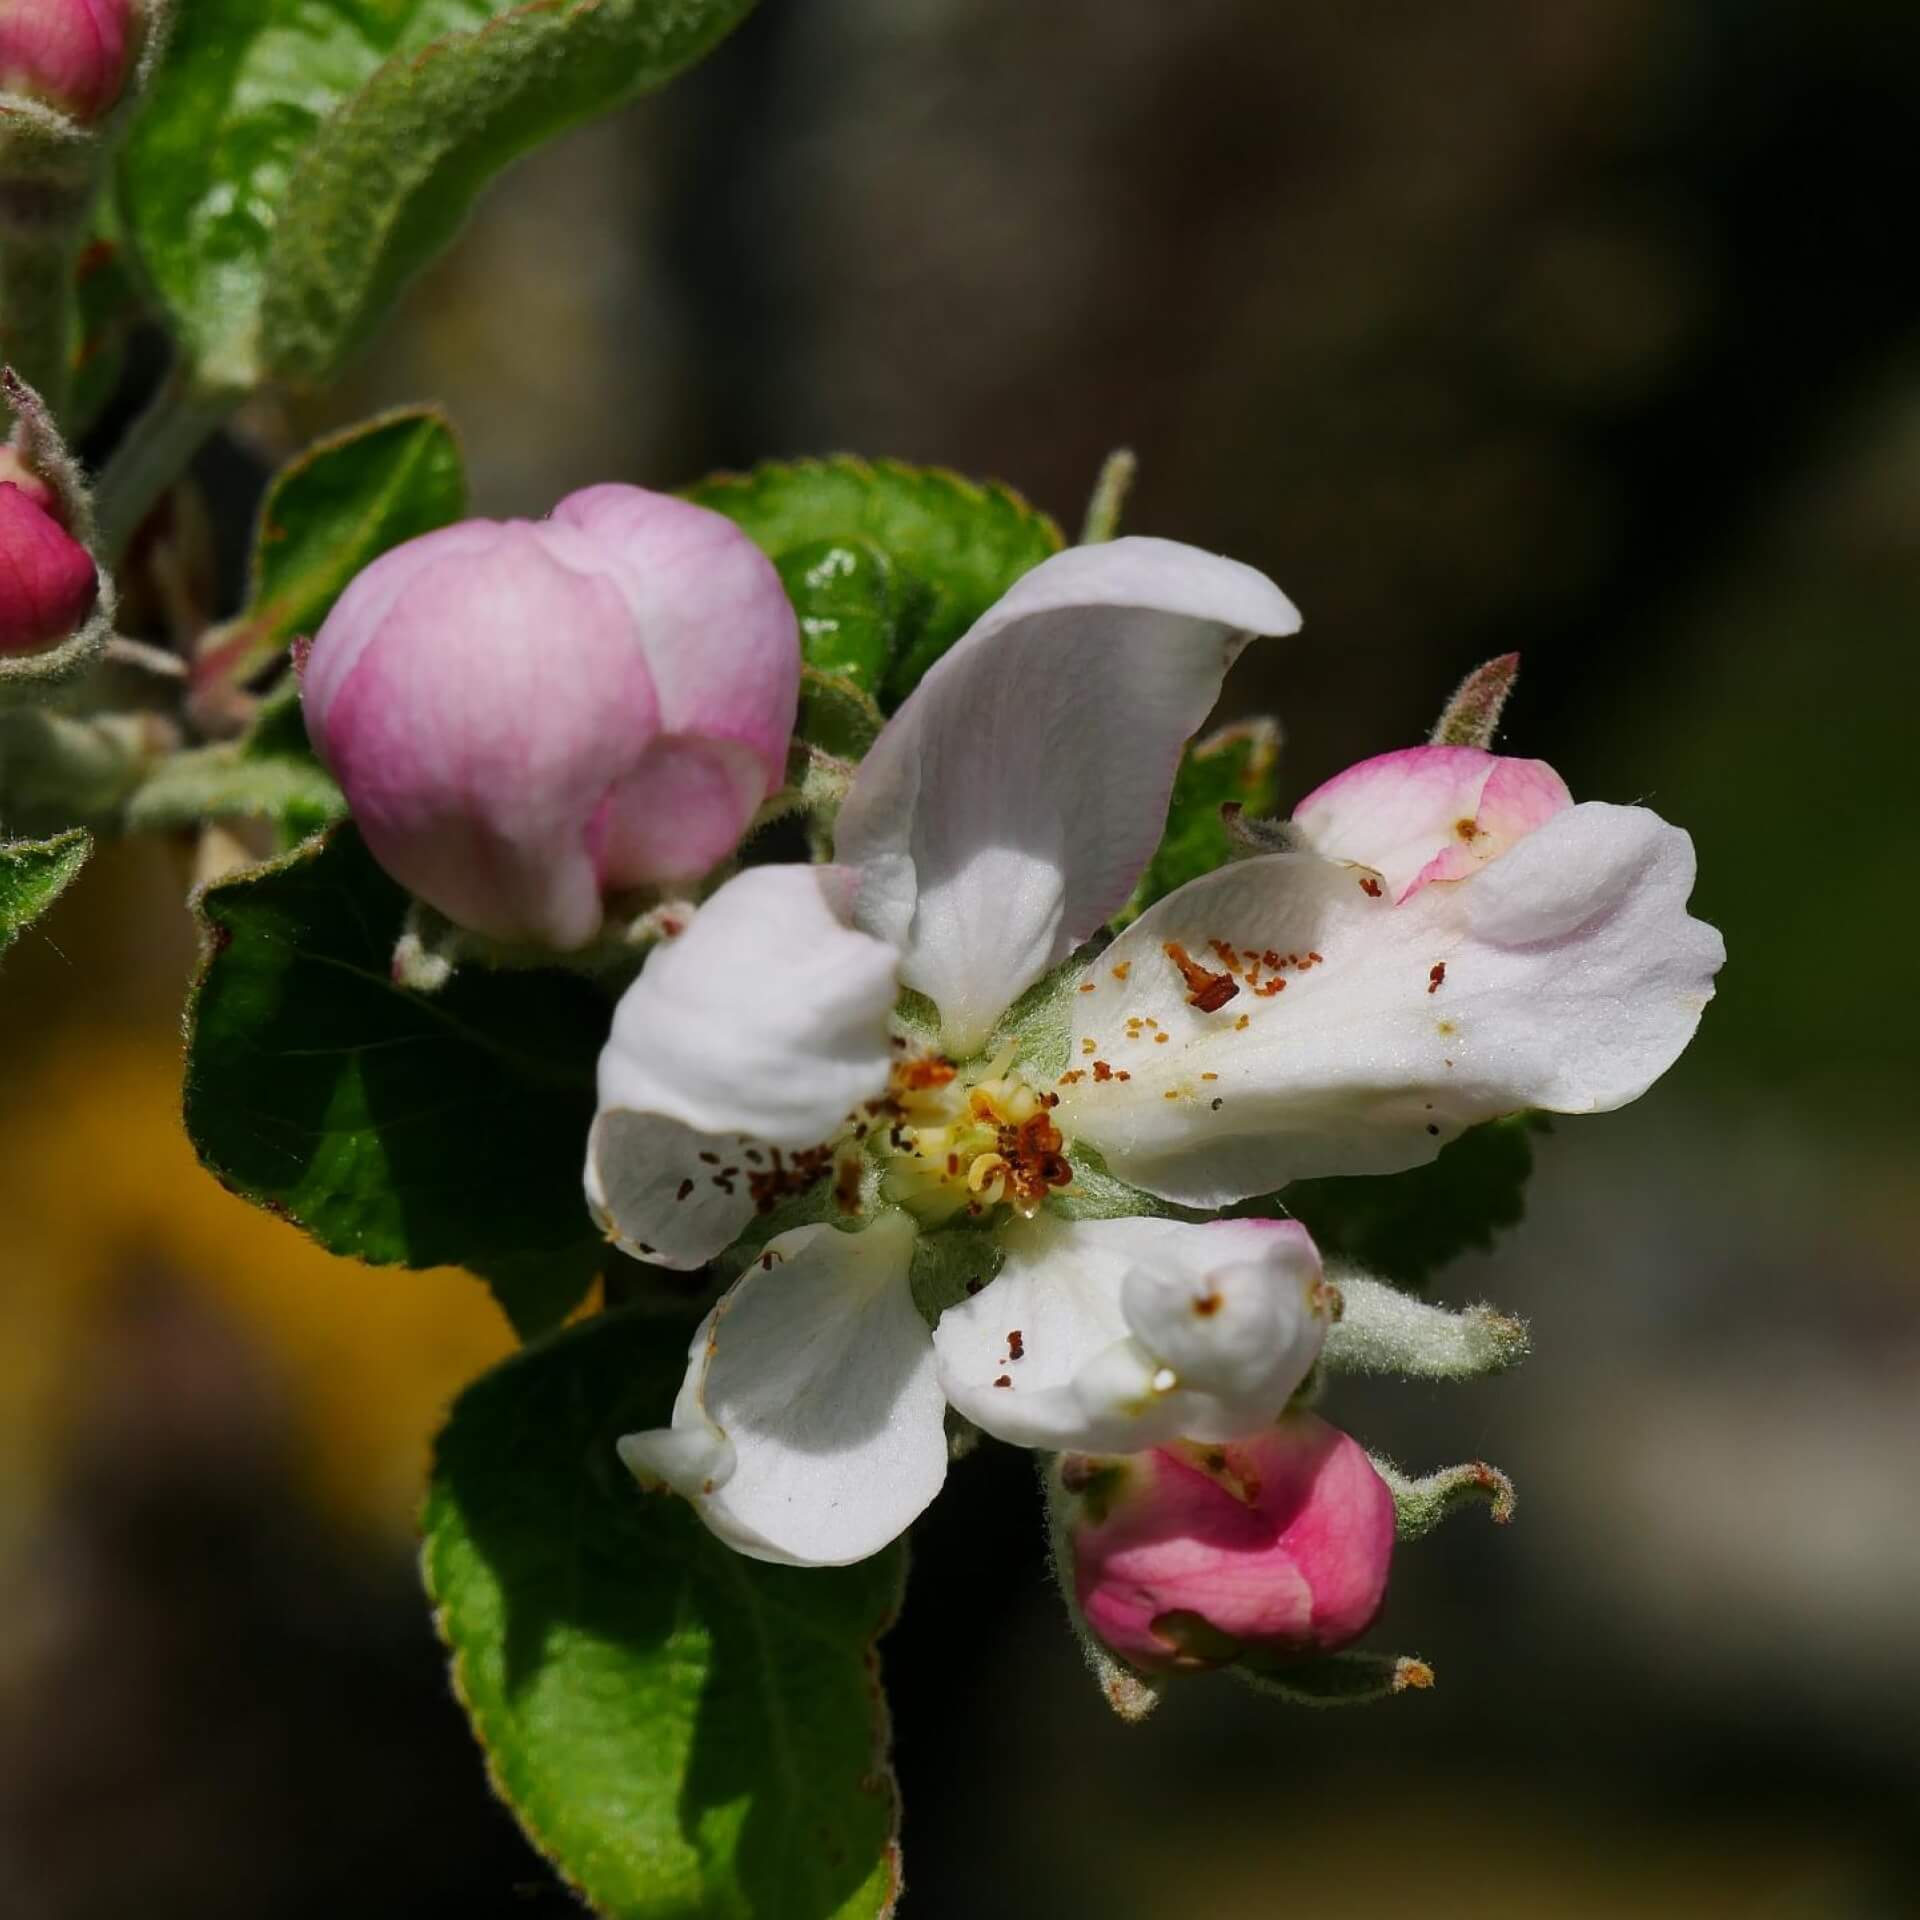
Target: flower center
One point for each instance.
(971, 1144)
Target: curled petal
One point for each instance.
(810, 1429)
(1009, 806)
(1112, 1336)
(1282, 1019)
(753, 1035)
(1430, 813)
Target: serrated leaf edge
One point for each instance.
(859, 467)
(879, 1750)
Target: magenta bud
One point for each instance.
(1274, 1547)
(526, 717)
(71, 55)
(48, 581)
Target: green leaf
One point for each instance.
(243, 89)
(685, 1733)
(344, 502)
(400, 1129)
(1238, 766)
(1407, 1225)
(951, 548)
(390, 177)
(33, 875)
(850, 602)
(340, 505)
(309, 155)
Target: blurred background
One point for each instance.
(1591, 329)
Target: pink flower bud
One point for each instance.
(1276, 1545)
(71, 55)
(48, 582)
(528, 716)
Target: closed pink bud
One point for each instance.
(71, 55)
(1274, 1547)
(528, 716)
(48, 582)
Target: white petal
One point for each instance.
(1565, 975)
(666, 1194)
(1007, 809)
(759, 1030)
(810, 1428)
(1133, 1333)
(768, 1016)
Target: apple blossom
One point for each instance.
(1286, 1016)
(526, 717)
(1276, 1546)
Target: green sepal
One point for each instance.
(1337, 1679)
(837, 715)
(396, 1129)
(950, 547)
(33, 875)
(685, 1733)
(1131, 1694)
(1379, 1329)
(1419, 1505)
(1471, 717)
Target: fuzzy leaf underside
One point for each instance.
(299, 160)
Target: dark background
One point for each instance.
(1591, 329)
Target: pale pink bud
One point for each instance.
(1430, 813)
(48, 581)
(528, 716)
(1274, 1547)
(71, 55)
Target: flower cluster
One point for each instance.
(975, 1161)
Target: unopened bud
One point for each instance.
(48, 581)
(1271, 1548)
(70, 55)
(526, 717)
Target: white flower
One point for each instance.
(1289, 1015)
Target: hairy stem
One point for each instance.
(156, 451)
(36, 305)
